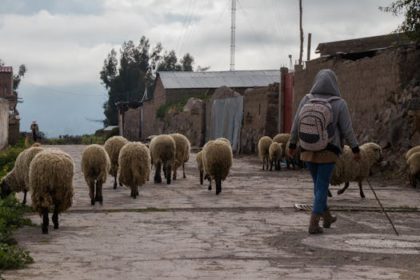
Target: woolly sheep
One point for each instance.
(113, 146)
(200, 166)
(17, 180)
(51, 180)
(162, 151)
(182, 153)
(95, 167)
(263, 150)
(274, 154)
(413, 163)
(282, 138)
(349, 170)
(134, 166)
(224, 139)
(413, 150)
(217, 161)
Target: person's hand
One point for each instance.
(356, 156)
(292, 152)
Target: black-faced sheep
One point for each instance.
(274, 154)
(17, 180)
(113, 146)
(182, 153)
(263, 150)
(348, 170)
(134, 166)
(95, 167)
(51, 180)
(217, 161)
(162, 151)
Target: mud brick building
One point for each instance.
(7, 93)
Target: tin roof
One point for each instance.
(215, 79)
(6, 69)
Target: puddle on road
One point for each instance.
(367, 243)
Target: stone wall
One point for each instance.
(132, 124)
(260, 117)
(4, 123)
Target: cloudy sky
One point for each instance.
(64, 42)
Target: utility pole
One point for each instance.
(232, 36)
(301, 33)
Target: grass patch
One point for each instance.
(11, 217)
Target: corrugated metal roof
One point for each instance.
(6, 69)
(215, 79)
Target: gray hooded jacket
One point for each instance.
(325, 86)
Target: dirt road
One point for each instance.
(250, 231)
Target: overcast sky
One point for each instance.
(64, 42)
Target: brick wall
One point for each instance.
(366, 84)
(4, 123)
(260, 117)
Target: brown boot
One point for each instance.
(328, 219)
(314, 227)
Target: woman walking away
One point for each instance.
(320, 124)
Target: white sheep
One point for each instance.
(274, 154)
(113, 146)
(347, 169)
(162, 151)
(413, 163)
(95, 167)
(51, 181)
(200, 166)
(134, 166)
(182, 153)
(17, 180)
(217, 161)
(263, 150)
(413, 150)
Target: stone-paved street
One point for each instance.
(250, 231)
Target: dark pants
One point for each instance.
(321, 175)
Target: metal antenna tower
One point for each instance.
(232, 36)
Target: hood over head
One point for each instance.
(325, 83)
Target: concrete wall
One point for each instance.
(6, 84)
(4, 123)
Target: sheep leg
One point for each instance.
(278, 165)
(24, 197)
(45, 220)
(208, 178)
(174, 178)
(98, 196)
(201, 177)
(55, 217)
(413, 180)
(346, 185)
(115, 182)
(168, 174)
(362, 194)
(271, 165)
(120, 184)
(92, 192)
(218, 185)
(158, 178)
(183, 171)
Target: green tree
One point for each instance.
(126, 78)
(187, 62)
(411, 11)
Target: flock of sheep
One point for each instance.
(48, 172)
(347, 169)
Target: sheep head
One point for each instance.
(5, 188)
